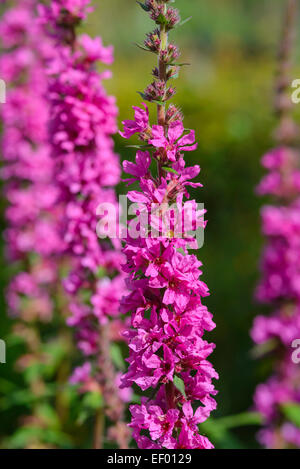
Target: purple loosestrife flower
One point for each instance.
(139, 125)
(33, 241)
(140, 169)
(168, 352)
(83, 119)
(279, 286)
(32, 214)
(173, 144)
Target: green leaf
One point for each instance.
(7, 386)
(179, 64)
(143, 6)
(35, 435)
(169, 170)
(34, 371)
(140, 147)
(117, 357)
(24, 397)
(185, 21)
(162, 19)
(86, 295)
(292, 412)
(93, 400)
(159, 103)
(154, 101)
(223, 438)
(55, 352)
(142, 95)
(219, 429)
(17, 398)
(135, 399)
(101, 272)
(179, 384)
(140, 46)
(14, 340)
(82, 417)
(57, 438)
(48, 415)
(262, 349)
(240, 420)
(174, 77)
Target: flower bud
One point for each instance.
(152, 41)
(155, 72)
(172, 72)
(151, 5)
(155, 91)
(173, 114)
(170, 54)
(169, 18)
(172, 18)
(170, 93)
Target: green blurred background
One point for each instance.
(226, 94)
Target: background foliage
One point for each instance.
(226, 94)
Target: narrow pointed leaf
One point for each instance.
(170, 170)
(185, 21)
(143, 6)
(179, 384)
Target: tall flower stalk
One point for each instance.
(168, 354)
(278, 400)
(83, 119)
(33, 244)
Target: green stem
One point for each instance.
(170, 395)
(98, 430)
(162, 68)
(161, 118)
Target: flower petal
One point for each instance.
(188, 139)
(176, 129)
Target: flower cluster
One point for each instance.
(278, 400)
(83, 119)
(32, 235)
(168, 353)
(33, 243)
(273, 400)
(280, 286)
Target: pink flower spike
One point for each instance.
(277, 333)
(166, 293)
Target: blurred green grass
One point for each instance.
(226, 94)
